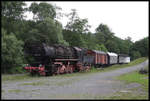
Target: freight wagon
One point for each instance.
(112, 58)
(123, 58)
(96, 58)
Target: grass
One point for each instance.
(62, 83)
(93, 70)
(14, 90)
(6, 77)
(70, 96)
(34, 83)
(133, 77)
(127, 96)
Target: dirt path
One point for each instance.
(85, 86)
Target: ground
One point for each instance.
(97, 85)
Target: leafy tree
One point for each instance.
(73, 38)
(100, 47)
(104, 32)
(127, 45)
(100, 38)
(12, 15)
(50, 31)
(76, 29)
(135, 55)
(77, 24)
(141, 46)
(105, 37)
(13, 9)
(112, 46)
(42, 10)
(46, 28)
(12, 54)
(89, 40)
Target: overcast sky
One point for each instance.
(123, 18)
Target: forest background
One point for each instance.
(44, 27)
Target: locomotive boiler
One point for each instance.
(53, 59)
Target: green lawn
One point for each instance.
(135, 93)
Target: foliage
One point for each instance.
(135, 55)
(142, 46)
(12, 54)
(105, 33)
(13, 10)
(42, 10)
(100, 47)
(47, 29)
(73, 38)
(77, 24)
(12, 15)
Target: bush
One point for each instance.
(143, 71)
(12, 52)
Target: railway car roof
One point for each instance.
(99, 52)
(112, 54)
(79, 49)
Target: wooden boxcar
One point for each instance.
(97, 58)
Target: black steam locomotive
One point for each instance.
(54, 59)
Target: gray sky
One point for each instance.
(123, 18)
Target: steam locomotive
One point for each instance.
(59, 59)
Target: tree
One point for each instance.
(42, 10)
(12, 15)
(13, 9)
(112, 46)
(135, 55)
(104, 29)
(12, 53)
(76, 29)
(73, 38)
(100, 37)
(100, 47)
(103, 34)
(77, 24)
(127, 45)
(46, 28)
(89, 40)
(50, 31)
(141, 46)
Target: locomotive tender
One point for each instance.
(59, 59)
